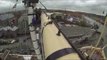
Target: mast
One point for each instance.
(31, 4)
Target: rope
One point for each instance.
(15, 4)
(44, 7)
(102, 32)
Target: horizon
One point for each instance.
(89, 6)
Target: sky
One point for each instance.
(90, 6)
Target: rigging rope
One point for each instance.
(15, 4)
(44, 7)
(102, 32)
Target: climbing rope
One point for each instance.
(15, 4)
(102, 32)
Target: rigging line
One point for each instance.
(15, 4)
(25, 27)
(44, 7)
(42, 45)
(102, 32)
(104, 47)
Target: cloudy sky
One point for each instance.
(91, 6)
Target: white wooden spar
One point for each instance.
(33, 34)
(55, 47)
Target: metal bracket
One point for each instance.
(59, 33)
